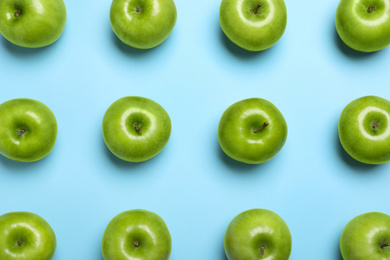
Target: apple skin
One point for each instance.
(28, 130)
(136, 234)
(257, 234)
(146, 27)
(120, 133)
(367, 236)
(25, 235)
(361, 29)
(253, 31)
(40, 23)
(364, 129)
(236, 136)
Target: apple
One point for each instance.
(143, 24)
(32, 24)
(252, 131)
(367, 237)
(136, 129)
(136, 234)
(28, 130)
(257, 234)
(364, 25)
(364, 129)
(25, 235)
(253, 25)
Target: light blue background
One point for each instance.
(310, 75)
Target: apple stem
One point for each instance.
(262, 250)
(256, 130)
(257, 8)
(136, 243)
(18, 13)
(138, 128)
(19, 242)
(375, 126)
(370, 9)
(385, 245)
(138, 9)
(21, 132)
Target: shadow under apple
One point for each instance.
(21, 167)
(22, 52)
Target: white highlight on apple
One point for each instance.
(33, 115)
(361, 117)
(370, 235)
(251, 112)
(30, 228)
(269, 18)
(375, 22)
(134, 110)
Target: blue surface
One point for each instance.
(310, 75)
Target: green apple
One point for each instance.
(257, 234)
(254, 25)
(136, 234)
(364, 129)
(252, 131)
(364, 25)
(366, 237)
(25, 235)
(143, 24)
(136, 129)
(32, 23)
(28, 130)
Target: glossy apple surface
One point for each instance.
(136, 129)
(257, 234)
(136, 234)
(252, 131)
(143, 24)
(366, 237)
(364, 129)
(32, 23)
(364, 25)
(25, 235)
(254, 25)
(28, 130)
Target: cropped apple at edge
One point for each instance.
(136, 234)
(364, 25)
(367, 237)
(32, 24)
(28, 130)
(143, 24)
(25, 235)
(254, 25)
(364, 129)
(257, 234)
(252, 131)
(135, 129)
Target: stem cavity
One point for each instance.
(257, 8)
(256, 130)
(136, 243)
(262, 250)
(138, 9)
(19, 242)
(21, 132)
(383, 245)
(138, 128)
(375, 126)
(18, 13)
(370, 9)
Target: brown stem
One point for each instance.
(385, 245)
(262, 250)
(257, 8)
(138, 9)
(19, 242)
(136, 243)
(375, 126)
(370, 9)
(138, 128)
(256, 130)
(18, 13)
(21, 132)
